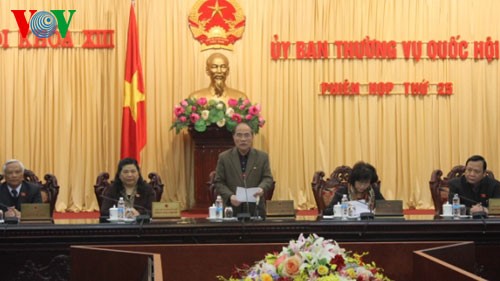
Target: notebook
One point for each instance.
(280, 209)
(494, 206)
(35, 212)
(389, 208)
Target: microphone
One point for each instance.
(140, 218)
(475, 215)
(245, 215)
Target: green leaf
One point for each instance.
(200, 126)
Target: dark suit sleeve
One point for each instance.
(148, 204)
(220, 181)
(267, 177)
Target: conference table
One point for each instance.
(44, 248)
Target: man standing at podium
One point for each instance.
(217, 69)
(243, 166)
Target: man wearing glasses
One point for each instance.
(475, 187)
(243, 166)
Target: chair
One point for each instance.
(212, 192)
(324, 190)
(102, 183)
(49, 189)
(439, 186)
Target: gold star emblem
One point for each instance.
(132, 96)
(217, 9)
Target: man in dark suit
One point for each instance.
(475, 187)
(15, 190)
(243, 166)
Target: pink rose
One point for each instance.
(249, 117)
(254, 110)
(261, 121)
(236, 117)
(202, 101)
(184, 103)
(242, 107)
(183, 119)
(178, 110)
(246, 101)
(232, 102)
(193, 108)
(194, 117)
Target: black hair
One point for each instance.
(127, 161)
(362, 171)
(475, 158)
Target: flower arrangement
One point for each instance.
(202, 113)
(310, 259)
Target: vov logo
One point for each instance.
(43, 24)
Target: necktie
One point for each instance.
(14, 193)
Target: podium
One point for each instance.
(207, 147)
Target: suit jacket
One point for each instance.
(488, 188)
(143, 200)
(29, 193)
(229, 175)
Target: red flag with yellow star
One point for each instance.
(134, 98)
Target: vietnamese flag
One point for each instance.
(134, 98)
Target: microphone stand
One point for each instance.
(244, 216)
(257, 216)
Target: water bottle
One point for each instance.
(344, 207)
(219, 207)
(121, 208)
(456, 206)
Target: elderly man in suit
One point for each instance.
(15, 190)
(243, 166)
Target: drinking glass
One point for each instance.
(228, 212)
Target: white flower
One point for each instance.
(219, 106)
(204, 114)
(230, 112)
(221, 123)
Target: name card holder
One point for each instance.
(166, 210)
(280, 209)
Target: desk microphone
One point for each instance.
(475, 215)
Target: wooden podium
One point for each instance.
(207, 146)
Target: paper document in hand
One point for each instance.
(246, 194)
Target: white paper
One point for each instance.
(246, 194)
(359, 207)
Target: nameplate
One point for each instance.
(165, 210)
(35, 212)
(494, 206)
(280, 208)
